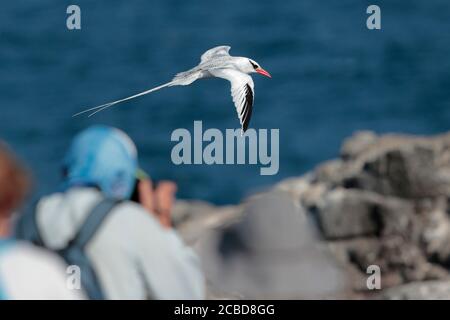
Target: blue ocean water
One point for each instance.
(331, 76)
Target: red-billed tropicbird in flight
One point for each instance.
(215, 62)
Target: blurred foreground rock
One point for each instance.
(384, 202)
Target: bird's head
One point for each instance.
(251, 66)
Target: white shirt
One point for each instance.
(30, 273)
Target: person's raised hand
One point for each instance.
(165, 198)
(159, 201)
(146, 194)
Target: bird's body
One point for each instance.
(215, 62)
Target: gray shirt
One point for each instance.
(133, 255)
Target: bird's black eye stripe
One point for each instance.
(255, 66)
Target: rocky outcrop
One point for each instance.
(429, 290)
(383, 202)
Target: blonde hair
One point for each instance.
(14, 181)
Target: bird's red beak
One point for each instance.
(263, 72)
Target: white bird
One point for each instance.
(215, 62)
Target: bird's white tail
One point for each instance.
(102, 107)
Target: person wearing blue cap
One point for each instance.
(125, 249)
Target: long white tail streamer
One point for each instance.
(102, 107)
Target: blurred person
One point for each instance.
(125, 249)
(26, 272)
(273, 252)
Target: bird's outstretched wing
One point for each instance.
(216, 51)
(243, 97)
(242, 92)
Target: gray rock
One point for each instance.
(427, 290)
(356, 255)
(346, 213)
(435, 233)
(339, 207)
(356, 144)
(406, 172)
(192, 219)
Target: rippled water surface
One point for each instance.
(331, 76)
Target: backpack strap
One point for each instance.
(92, 222)
(75, 254)
(27, 227)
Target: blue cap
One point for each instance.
(104, 157)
